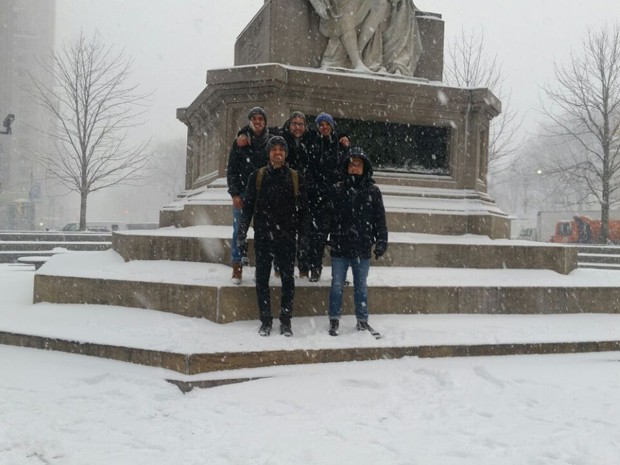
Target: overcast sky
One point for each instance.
(174, 42)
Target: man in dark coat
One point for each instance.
(324, 170)
(356, 221)
(243, 161)
(277, 201)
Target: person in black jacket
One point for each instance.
(324, 170)
(277, 201)
(243, 161)
(355, 221)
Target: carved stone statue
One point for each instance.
(370, 35)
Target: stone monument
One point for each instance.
(429, 145)
(342, 57)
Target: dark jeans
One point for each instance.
(318, 238)
(282, 254)
(316, 249)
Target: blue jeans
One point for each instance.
(234, 248)
(360, 269)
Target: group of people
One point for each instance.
(304, 189)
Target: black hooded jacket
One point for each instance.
(299, 150)
(356, 215)
(243, 161)
(324, 167)
(279, 214)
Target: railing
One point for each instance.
(604, 257)
(16, 244)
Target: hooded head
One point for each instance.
(359, 154)
(253, 112)
(325, 118)
(276, 156)
(296, 124)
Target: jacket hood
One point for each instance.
(357, 152)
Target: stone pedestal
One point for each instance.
(277, 58)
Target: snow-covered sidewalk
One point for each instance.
(64, 409)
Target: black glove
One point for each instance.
(380, 250)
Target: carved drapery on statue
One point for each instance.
(370, 35)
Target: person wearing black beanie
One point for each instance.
(276, 203)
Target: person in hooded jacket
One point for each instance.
(324, 170)
(243, 161)
(356, 222)
(277, 201)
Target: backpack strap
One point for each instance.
(261, 174)
(295, 178)
(259, 179)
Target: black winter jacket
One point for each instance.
(278, 214)
(243, 161)
(324, 167)
(298, 154)
(356, 217)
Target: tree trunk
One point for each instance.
(83, 198)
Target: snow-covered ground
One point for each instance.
(58, 408)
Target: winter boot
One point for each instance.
(285, 328)
(265, 328)
(303, 274)
(237, 273)
(362, 326)
(333, 327)
(315, 275)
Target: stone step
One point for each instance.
(599, 266)
(408, 209)
(54, 236)
(14, 254)
(204, 290)
(598, 258)
(599, 249)
(27, 246)
(211, 244)
(190, 348)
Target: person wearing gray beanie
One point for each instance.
(243, 161)
(257, 111)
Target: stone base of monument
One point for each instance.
(408, 209)
(211, 244)
(200, 290)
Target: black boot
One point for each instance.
(315, 275)
(285, 328)
(265, 328)
(333, 327)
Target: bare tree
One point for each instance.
(87, 91)
(469, 65)
(585, 109)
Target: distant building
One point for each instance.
(26, 35)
